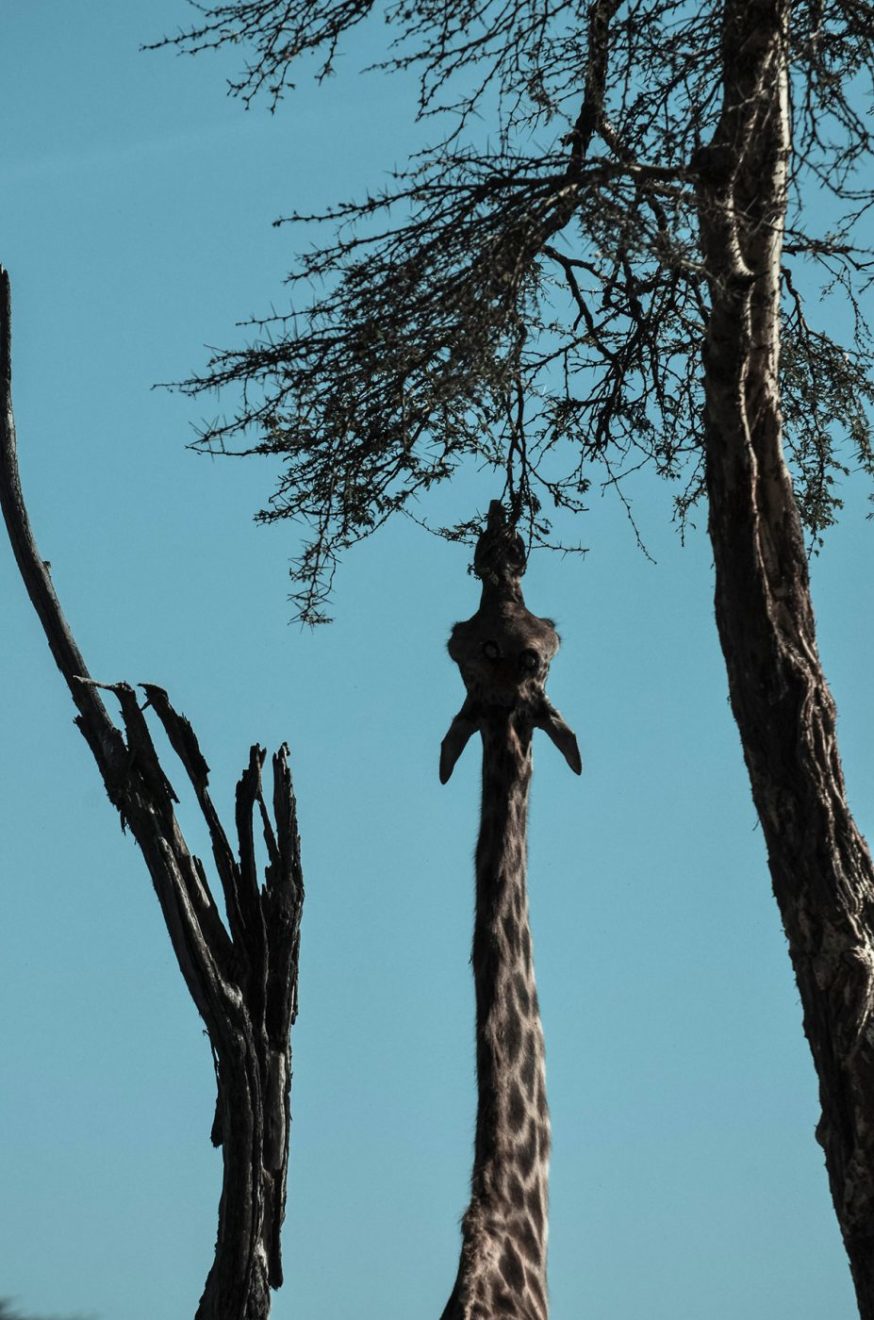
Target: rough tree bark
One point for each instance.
(820, 865)
(242, 976)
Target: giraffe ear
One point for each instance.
(549, 720)
(456, 739)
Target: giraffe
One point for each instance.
(504, 653)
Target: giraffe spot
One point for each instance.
(512, 1032)
(526, 1073)
(510, 932)
(511, 1269)
(516, 1108)
(528, 1241)
(528, 1152)
(542, 1106)
(535, 1207)
(493, 1184)
(522, 993)
(538, 1293)
(502, 1302)
(526, 949)
(480, 1296)
(516, 1192)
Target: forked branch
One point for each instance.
(242, 972)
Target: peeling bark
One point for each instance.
(242, 976)
(820, 865)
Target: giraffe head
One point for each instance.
(504, 651)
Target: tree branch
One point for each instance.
(243, 981)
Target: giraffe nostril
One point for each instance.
(491, 651)
(529, 661)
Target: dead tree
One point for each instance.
(241, 973)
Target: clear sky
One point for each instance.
(686, 1182)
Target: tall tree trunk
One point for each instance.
(820, 865)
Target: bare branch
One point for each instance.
(556, 261)
(243, 983)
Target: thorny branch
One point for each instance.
(554, 261)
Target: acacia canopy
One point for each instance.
(529, 293)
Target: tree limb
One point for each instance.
(243, 980)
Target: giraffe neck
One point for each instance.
(503, 1259)
(501, 593)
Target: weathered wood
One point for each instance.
(820, 865)
(243, 976)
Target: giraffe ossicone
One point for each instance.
(504, 652)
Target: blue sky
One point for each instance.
(686, 1181)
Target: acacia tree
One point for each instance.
(613, 275)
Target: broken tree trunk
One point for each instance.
(242, 975)
(820, 865)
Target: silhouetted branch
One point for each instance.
(243, 977)
(555, 261)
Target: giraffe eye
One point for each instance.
(529, 661)
(491, 651)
